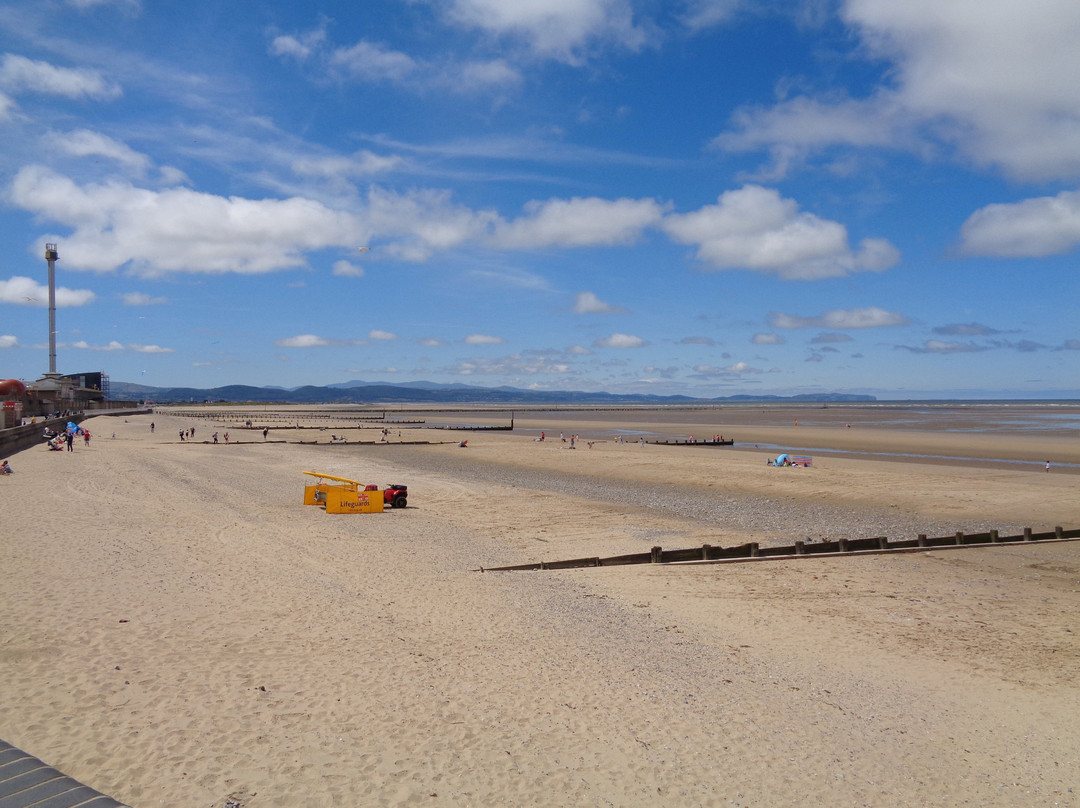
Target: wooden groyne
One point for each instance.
(695, 442)
(710, 554)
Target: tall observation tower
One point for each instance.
(52, 256)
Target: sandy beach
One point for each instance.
(179, 630)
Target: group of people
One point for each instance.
(58, 441)
(185, 434)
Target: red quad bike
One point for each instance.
(396, 496)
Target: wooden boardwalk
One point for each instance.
(25, 781)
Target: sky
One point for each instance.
(675, 197)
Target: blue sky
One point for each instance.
(701, 197)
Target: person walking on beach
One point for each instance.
(151, 427)
(215, 437)
(266, 431)
(1047, 466)
(70, 441)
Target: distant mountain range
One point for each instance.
(421, 392)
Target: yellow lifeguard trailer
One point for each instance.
(342, 495)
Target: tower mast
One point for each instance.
(52, 256)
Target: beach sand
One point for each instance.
(179, 630)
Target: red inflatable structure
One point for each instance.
(11, 387)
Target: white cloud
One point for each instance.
(482, 76)
(558, 29)
(578, 350)
(149, 349)
(178, 229)
(483, 339)
(112, 346)
(868, 317)
(298, 47)
(361, 164)
(7, 104)
(620, 341)
(344, 269)
(1040, 226)
(987, 78)
(431, 342)
(19, 74)
(381, 335)
(87, 143)
(141, 299)
(754, 228)
(767, 339)
(742, 368)
(578, 222)
(23, 291)
(589, 303)
(425, 220)
(702, 14)
(373, 62)
(8, 341)
(302, 341)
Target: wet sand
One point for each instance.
(179, 630)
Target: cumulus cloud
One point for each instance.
(1041, 226)
(87, 143)
(141, 299)
(149, 349)
(983, 78)
(755, 228)
(767, 339)
(298, 46)
(578, 222)
(344, 269)
(302, 341)
(86, 346)
(552, 28)
(8, 341)
(742, 368)
(589, 303)
(372, 61)
(483, 339)
(19, 74)
(381, 335)
(23, 291)
(620, 341)
(178, 229)
(868, 317)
